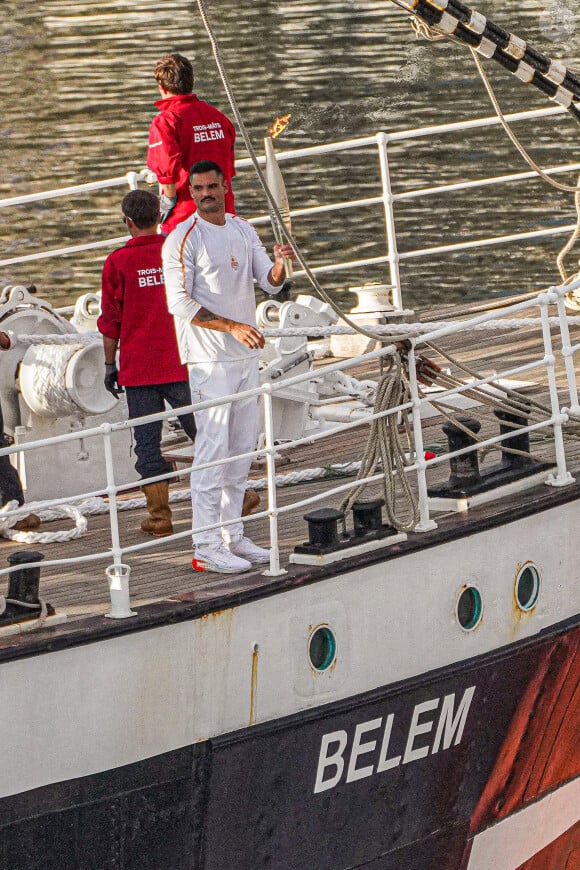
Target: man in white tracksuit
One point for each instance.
(210, 261)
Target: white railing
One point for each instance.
(117, 572)
(383, 143)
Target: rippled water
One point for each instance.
(77, 95)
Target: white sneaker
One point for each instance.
(248, 550)
(217, 557)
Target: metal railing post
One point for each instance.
(568, 352)
(275, 570)
(392, 252)
(117, 573)
(563, 476)
(425, 523)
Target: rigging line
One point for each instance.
(529, 65)
(510, 133)
(272, 202)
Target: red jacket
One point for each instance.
(134, 310)
(186, 130)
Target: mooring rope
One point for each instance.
(29, 625)
(383, 449)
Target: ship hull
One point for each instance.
(407, 776)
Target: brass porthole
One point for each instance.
(322, 648)
(527, 586)
(469, 608)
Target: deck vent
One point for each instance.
(469, 608)
(527, 587)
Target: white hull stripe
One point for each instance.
(511, 842)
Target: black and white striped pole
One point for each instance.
(530, 66)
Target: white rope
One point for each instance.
(414, 329)
(29, 625)
(9, 516)
(80, 510)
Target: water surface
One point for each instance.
(78, 91)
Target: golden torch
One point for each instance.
(277, 187)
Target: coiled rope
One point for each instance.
(384, 450)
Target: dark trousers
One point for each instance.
(151, 400)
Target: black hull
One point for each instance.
(247, 800)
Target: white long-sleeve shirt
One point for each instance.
(210, 266)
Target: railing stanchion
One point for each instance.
(425, 523)
(568, 353)
(117, 573)
(393, 254)
(563, 476)
(275, 570)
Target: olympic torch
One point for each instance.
(277, 187)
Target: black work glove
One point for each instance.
(112, 380)
(166, 204)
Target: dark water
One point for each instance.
(77, 99)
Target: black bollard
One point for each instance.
(464, 468)
(367, 516)
(24, 584)
(323, 528)
(517, 440)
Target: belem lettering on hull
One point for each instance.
(334, 746)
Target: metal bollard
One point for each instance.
(24, 584)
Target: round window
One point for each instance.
(322, 648)
(469, 608)
(527, 586)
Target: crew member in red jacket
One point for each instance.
(135, 315)
(185, 131)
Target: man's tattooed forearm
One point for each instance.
(204, 316)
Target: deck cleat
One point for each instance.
(467, 485)
(22, 603)
(325, 544)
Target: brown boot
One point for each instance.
(251, 502)
(158, 523)
(27, 524)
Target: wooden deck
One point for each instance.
(166, 571)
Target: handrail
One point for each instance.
(554, 420)
(383, 141)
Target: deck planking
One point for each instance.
(165, 571)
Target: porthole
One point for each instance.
(527, 587)
(322, 648)
(469, 608)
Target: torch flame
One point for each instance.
(279, 126)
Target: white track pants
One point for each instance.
(217, 493)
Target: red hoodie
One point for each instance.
(186, 130)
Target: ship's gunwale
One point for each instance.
(251, 587)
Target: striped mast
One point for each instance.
(529, 65)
